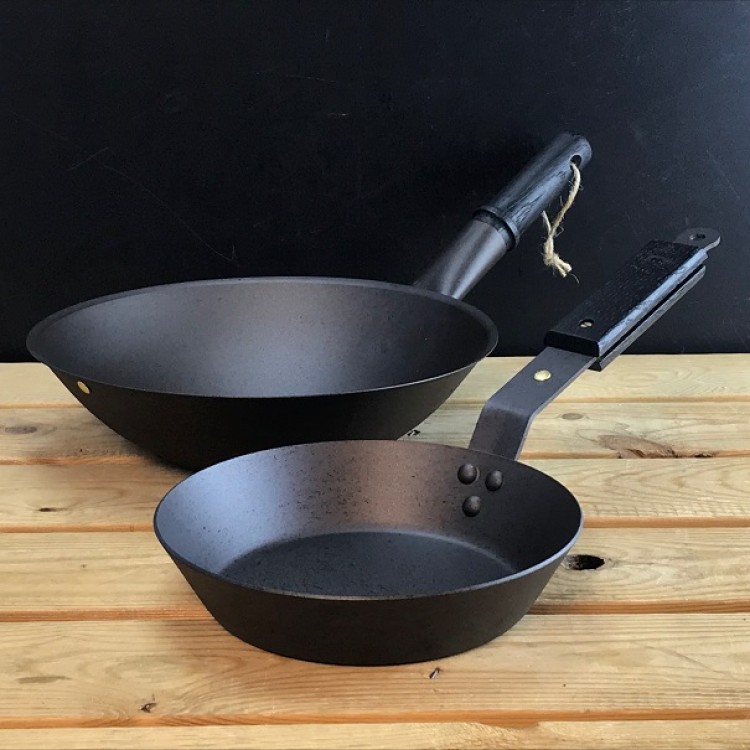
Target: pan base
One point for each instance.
(367, 564)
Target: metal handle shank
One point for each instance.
(591, 337)
(497, 226)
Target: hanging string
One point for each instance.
(550, 256)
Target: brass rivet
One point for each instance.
(83, 387)
(586, 323)
(542, 375)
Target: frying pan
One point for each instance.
(385, 552)
(203, 371)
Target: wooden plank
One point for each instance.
(645, 377)
(608, 667)
(32, 384)
(632, 492)
(630, 377)
(544, 735)
(613, 430)
(113, 575)
(583, 430)
(77, 497)
(653, 570)
(42, 435)
(112, 497)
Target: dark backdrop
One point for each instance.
(150, 142)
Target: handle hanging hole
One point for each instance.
(697, 236)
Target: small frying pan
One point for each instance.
(376, 552)
(206, 370)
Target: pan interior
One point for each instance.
(265, 337)
(365, 518)
(379, 563)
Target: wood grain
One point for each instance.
(112, 497)
(102, 643)
(114, 575)
(653, 570)
(43, 435)
(32, 384)
(645, 377)
(543, 735)
(590, 430)
(77, 497)
(548, 667)
(635, 493)
(613, 430)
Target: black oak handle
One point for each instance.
(629, 298)
(522, 201)
(593, 335)
(497, 226)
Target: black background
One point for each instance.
(151, 142)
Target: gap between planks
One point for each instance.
(695, 734)
(586, 609)
(717, 522)
(150, 722)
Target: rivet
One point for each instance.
(83, 387)
(542, 375)
(494, 480)
(467, 473)
(587, 323)
(472, 505)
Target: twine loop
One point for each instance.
(549, 254)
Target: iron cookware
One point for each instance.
(202, 371)
(384, 552)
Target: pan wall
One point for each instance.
(145, 143)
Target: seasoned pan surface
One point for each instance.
(370, 552)
(265, 338)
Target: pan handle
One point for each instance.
(594, 334)
(497, 226)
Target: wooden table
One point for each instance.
(103, 645)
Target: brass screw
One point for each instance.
(542, 375)
(83, 387)
(586, 323)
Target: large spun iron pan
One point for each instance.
(376, 552)
(203, 371)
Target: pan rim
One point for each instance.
(353, 598)
(36, 332)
